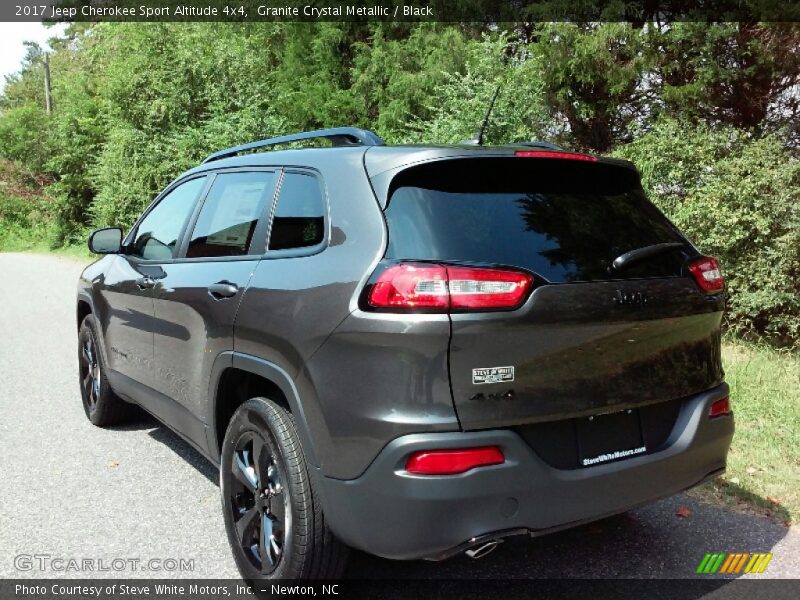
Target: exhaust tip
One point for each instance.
(483, 549)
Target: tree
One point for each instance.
(740, 74)
(593, 80)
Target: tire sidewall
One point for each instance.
(88, 330)
(261, 416)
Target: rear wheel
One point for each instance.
(101, 405)
(273, 518)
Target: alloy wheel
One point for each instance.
(259, 502)
(90, 373)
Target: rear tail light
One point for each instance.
(550, 154)
(486, 288)
(408, 287)
(707, 274)
(720, 407)
(452, 462)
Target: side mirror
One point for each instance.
(106, 241)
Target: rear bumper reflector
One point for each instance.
(452, 462)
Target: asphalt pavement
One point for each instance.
(73, 494)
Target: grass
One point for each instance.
(763, 475)
(36, 239)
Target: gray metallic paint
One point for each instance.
(394, 514)
(376, 378)
(577, 351)
(193, 327)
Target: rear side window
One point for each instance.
(230, 213)
(299, 218)
(562, 220)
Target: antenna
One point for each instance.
(479, 136)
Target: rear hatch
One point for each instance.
(590, 338)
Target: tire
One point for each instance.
(101, 405)
(270, 506)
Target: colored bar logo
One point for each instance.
(736, 562)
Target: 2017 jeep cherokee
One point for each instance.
(413, 351)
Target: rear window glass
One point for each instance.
(564, 221)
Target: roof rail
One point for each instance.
(537, 144)
(338, 136)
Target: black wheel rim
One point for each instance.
(259, 502)
(90, 373)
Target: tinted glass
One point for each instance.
(230, 214)
(563, 220)
(157, 235)
(299, 219)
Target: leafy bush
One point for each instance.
(24, 136)
(21, 225)
(459, 105)
(738, 198)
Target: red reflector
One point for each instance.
(550, 154)
(451, 462)
(720, 407)
(436, 288)
(707, 274)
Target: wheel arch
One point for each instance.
(84, 308)
(236, 375)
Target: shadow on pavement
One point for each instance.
(141, 420)
(649, 542)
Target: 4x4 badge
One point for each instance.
(492, 375)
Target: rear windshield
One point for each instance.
(562, 220)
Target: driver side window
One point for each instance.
(157, 234)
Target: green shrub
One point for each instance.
(458, 106)
(14, 210)
(24, 136)
(22, 224)
(737, 197)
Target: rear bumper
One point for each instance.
(393, 514)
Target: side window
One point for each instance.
(299, 219)
(230, 214)
(157, 234)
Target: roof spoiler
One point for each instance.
(535, 144)
(338, 136)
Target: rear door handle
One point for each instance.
(222, 289)
(145, 283)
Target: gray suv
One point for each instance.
(410, 350)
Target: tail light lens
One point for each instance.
(720, 407)
(707, 274)
(550, 154)
(486, 288)
(452, 462)
(408, 287)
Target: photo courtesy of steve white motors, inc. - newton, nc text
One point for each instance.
(400, 299)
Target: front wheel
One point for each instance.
(273, 518)
(101, 405)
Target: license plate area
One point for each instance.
(609, 437)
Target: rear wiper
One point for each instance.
(624, 260)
